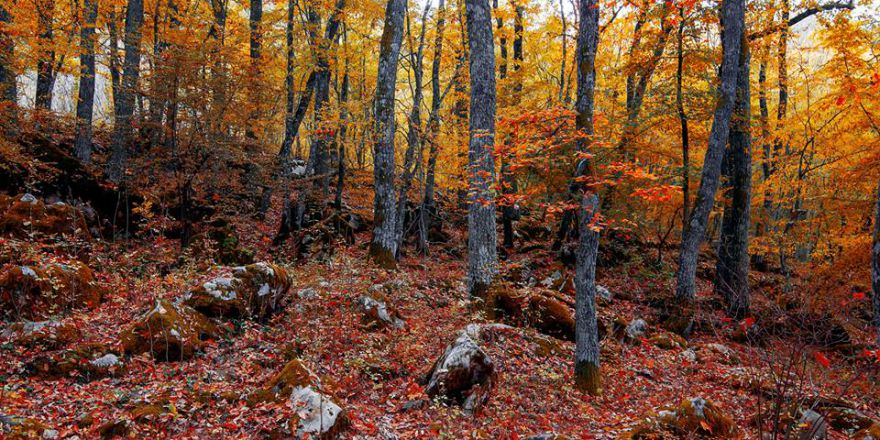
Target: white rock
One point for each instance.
(29, 198)
(106, 361)
(317, 414)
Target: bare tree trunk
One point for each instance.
(414, 139)
(113, 57)
(682, 118)
(875, 267)
(482, 238)
(8, 86)
(562, 69)
(510, 212)
(586, 362)
(46, 61)
(85, 103)
(428, 208)
(383, 248)
(122, 130)
(732, 269)
(255, 21)
(341, 139)
(732, 12)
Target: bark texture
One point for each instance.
(383, 247)
(732, 270)
(428, 207)
(732, 24)
(122, 129)
(482, 238)
(875, 267)
(586, 369)
(86, 100)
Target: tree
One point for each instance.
(732, 268)
(122, 128)
(682, 117)
(428, 208)
(586, 364)
(482, 238)
(46, 73)
(383, 247)
(875, 267)
(732, 19)
(85, 103)
(8, 89)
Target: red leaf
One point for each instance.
(858, 296)
(822, 359)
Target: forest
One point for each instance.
(440, 219)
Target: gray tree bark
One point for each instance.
(8, 88)
(482, 236)
(732, 18)
(414, 138)
(255, 21)
(732, 268)
(586, 369)
(122, 129)
(428, 208)
(85, 103)
(682, 118)
(383, 248)
(875, 267)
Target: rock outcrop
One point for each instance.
(39, 292)
(252, 291)
(169, 332)
(463, 374)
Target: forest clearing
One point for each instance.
(381, 219)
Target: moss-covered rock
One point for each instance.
(719, 353)
(38, 292)
(14, 428)
(169, 332)
(544, 310)
(47, 334)
(464, 374)
(253, 291)
(379, 313)
(696, 417)
(667, 341)
(870, 433)
(24, 215)
(317, 416)
(85, 362)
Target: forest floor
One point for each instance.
(376, 375)
(373, 374)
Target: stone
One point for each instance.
(40, 292)
(463, 374)
(252, 291)
(378, 313)
(168, 332)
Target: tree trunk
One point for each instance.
(85, 103)
(113, 59)
(732, 269)
(428, 208)
(562, 69)
(586, 363)
(414, 139)
(509, 187)
(255, 21)
(682, 119)
(732, 12)
(875, 267)
(343, 127)
(46, 61)
(8, 87)
(122, 130)
(383, 248)
(482, 238)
